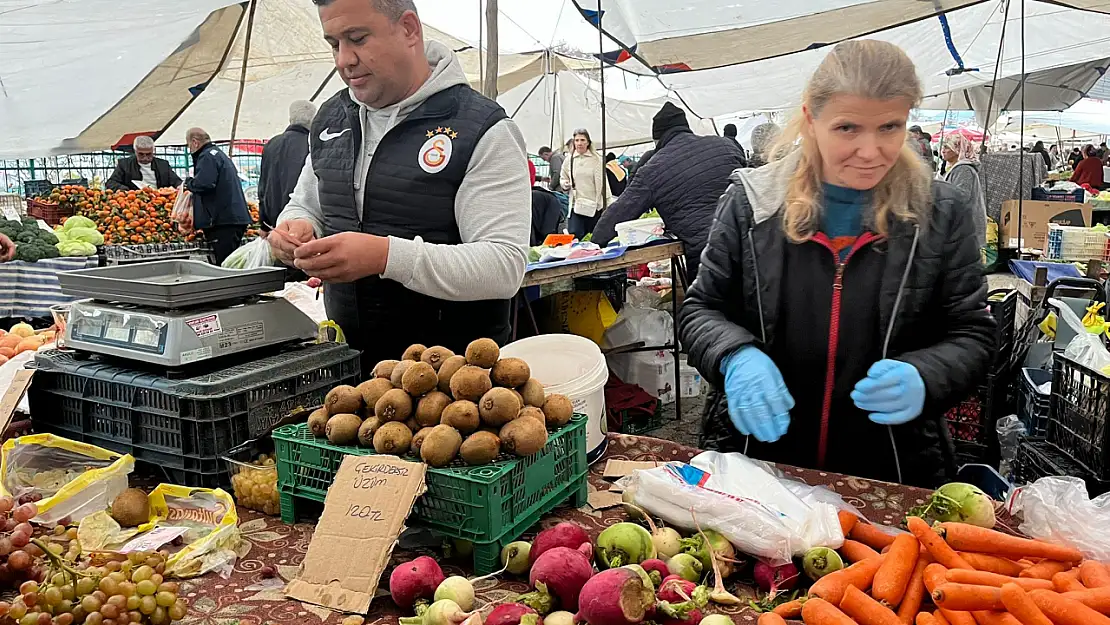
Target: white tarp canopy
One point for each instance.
(1087, 117)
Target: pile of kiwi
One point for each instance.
(441, 406)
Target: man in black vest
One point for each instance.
(143, 169)
(414, 202)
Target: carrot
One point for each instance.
(935, 576)
(770, 618)
(915, 593)
(992, 564)
(854, 551)
(968, 597)
(894, 575)
(817, 611)
(832, 586)
(865, 610)
(958, 618)
(984, 617)
(936, 546)
(847, 521)
(1019, 604)
(924, 618)
(940, 618)
(1097, 599)
(983, 578)
(790, 609)
(1064, 611)
(964, 537)
(871, 536)
(1067, 581)
(1046, 569)
(1094, 574)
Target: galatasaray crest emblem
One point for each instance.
(435, 154)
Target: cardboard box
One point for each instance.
(1035, 217)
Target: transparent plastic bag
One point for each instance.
(1010, 431)
(1086, 348)
(1058, 510)
(182, 212)
(253, 255)
(212, 535)
(759, 512)
(66, 478)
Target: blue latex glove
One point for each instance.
(758, 402)
(893, 392)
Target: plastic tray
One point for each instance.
(170, 283)
(489, 505)
(182, 425)
(1077, 423)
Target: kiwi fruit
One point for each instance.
(393, 438)
(523, 437)
(418, 439)
(366, 431)
(558, 410)
(436, 356)
(131, 508)
(343, 429)
(519, 396)
(414, 352)
(398, 372)
(419, 378)
(480, 448)
(499, 406)
(372, 391)
(448, 369)
(430, 407)
(461, 415)
(532, 393)
(343, 399)
(384, 369)
(470, 383)
(395, 405)
(533, 412)
(318, 422)
(510, 372)
(482, 353)
(440, 446)
(411, 424)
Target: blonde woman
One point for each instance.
(840, 304)
(961, 170)
(583, 176)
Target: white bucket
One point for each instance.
(574, 366)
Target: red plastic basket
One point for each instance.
(51, 213)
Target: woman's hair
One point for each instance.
(1038, 146)
(1088, 150)
(870, 69)
(584, 133)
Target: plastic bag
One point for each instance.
(757, 511)
(253, 255)
(212, 523)
(182, 211)
(1086, 348)
(1058, 510)
(73, 479)
(1010, 431)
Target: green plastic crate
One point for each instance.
(484, 504)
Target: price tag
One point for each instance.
(364, 513)
(10, 213)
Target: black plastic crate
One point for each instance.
(971, 422)
(1004, 311)
(1080, 405)
(37, 188)
(1037, 458)
(182, 425)
(1034, 407)
(636, 421)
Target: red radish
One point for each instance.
(513, 614)
(775, 578)
(658, 567)
(559, 574)
(615, 597)
(674, 589)
(414, 580)
(693, 617)
(570, 535)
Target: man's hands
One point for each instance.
(343, 257)
(7, 249)
(289, 235)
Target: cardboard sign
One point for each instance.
(620, 468)
(604, 499)
(364, 513)
(10, 401)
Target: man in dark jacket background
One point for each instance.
(282, 161)
(144, 167)
(683, 180)
(219, 206)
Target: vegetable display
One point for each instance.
(32, 243)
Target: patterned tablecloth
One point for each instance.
(248, 598)
(30, 289)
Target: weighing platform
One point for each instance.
(179, 312)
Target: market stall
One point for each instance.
(29, 289)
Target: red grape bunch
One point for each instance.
(19, 558)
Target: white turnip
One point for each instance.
(513, 614)
(719, 594)
(457, 589)
(959, 502)
(515, 557)
(566, 534)
(558, 576)
(624, 543)
(561, 617)
(417, 579)
(615, 597)
(686, 566)
(697, 546)
(667, 541)
(445, 612)
(820, 561)
(716, 619)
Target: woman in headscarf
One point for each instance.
(961, 158)
(584, 176)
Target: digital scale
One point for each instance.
(174, 313)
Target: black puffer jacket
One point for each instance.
(918, 296)
(282, 161)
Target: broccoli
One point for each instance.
(47, 237)
(50, 251)
(29, 253)
(26, 236)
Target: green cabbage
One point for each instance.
(78, 221)
(76, 248)
(87, 235)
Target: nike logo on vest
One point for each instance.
(328, 136)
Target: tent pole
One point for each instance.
(489, 81)
(994, 82)
(242, 75)
(601, 65)
(554, 111)
(1021, 134)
